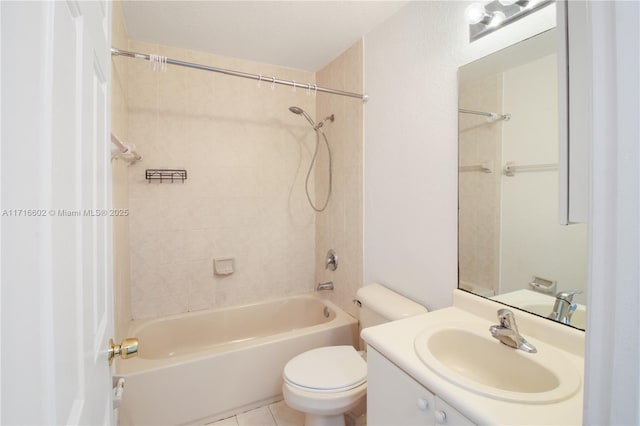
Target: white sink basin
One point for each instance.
(578, 318)
(469, 357)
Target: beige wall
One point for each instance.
(339, 227)
(119, 119)
(246, 156)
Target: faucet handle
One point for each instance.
(507, 332)
(567, 296)
(507, 319)
(331, 261)
(504, 315)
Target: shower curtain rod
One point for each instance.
(259, 77)
(492, 115)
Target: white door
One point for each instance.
(56, 290)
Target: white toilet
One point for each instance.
(327, 382)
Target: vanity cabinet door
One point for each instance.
(394, 398)
(447, 415)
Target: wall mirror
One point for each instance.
(512, 247)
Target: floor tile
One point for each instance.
(280, 414)
(231, 421)
(285, 415)
(258, 417)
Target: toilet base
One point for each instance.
(317, 420)
(323, 408)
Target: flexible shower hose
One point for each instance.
(313, 161)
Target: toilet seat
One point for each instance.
(326, 369)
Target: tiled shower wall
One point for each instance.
(480, 141)
(339, 227)
(119, 122)
(246, 156)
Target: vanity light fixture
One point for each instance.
(484, 19)
(475, 13)
(497, 19)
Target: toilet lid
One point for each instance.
(331, 368)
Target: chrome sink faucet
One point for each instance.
(564, 307)
(508, 334)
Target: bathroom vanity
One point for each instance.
(400, 399)
(444, 367)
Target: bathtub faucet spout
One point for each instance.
(325, 286)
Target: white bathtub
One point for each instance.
(199, 367)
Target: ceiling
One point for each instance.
(304, 35)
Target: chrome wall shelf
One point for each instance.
(166, 175)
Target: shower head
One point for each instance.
(329, 118)
(300, 111)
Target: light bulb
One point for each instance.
(522, 3)
(497, 18)
(474, 13)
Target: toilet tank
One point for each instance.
(378, 305)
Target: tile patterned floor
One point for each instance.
(277, 414)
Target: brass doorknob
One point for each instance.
(127, 349)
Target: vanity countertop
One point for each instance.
(395, 340)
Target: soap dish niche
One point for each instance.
(223, 266)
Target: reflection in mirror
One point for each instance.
(512, 247)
